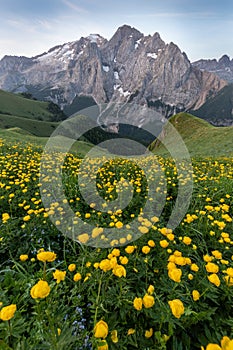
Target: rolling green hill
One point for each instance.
(200, 137)
(31, 126)
(19, 106)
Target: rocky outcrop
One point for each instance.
(130, 67)
(223, 67)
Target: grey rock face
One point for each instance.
(223, 67)
(130, 67)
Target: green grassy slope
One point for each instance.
(35, 127)
(201, 138)
(19, 106)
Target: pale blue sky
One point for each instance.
(203, 29)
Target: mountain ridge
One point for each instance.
(130, 67)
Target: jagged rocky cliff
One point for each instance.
(223, 67)
(129, 67)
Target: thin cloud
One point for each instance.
(74, 7)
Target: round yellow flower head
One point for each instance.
(40, 290)
(175, 274)
(137, 303)
(148, 301)
(119, 271)
(150, 289)
(59, 275)
(101, 329)
(196, 295)
(46, 256)
(213, 278)
(105, 265)
(77, 277)
(71, 267)
(130, 249)
(177, 307)
(23, 257)
(146, 249)
(7, 312)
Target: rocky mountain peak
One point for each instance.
(130, 67)
(224, 60)
(223, 67)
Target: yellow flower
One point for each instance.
(229, 280)
(97, 231)
(46, 256)
(217, 254)
(229, 271)
(59, 331)
(146, 249)
(103, 345)
(114, 336)
(226, 343)
(137, 303)
(213, 278)
(7, 312)
(194, 267)
(207, 258)
(150, 289)
(212, 346)
(148, 301)
(26, 218)
(101, 329)
(119, 224)
(130, 249)
(149, 333)
(164, 243)
(143, 229)
(151, 243)
(131, 331)
(116, 252)
(71, 267)
(124, 260)
(83, 238)
(175, 274)
(105, 265)
(77, 277)
(119, 271)
(23, 257)
(211, 267)
(196, 295)
(187, 240)
(59, 275)
(180, 260)
(40, 290)
(177, 307)
(5, 217)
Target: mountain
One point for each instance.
(218, 110)
(223, 67)
(130, 67)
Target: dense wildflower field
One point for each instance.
(148, 287)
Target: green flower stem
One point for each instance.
(10, 332)
(97, 298)
(44, 271)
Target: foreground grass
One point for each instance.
(165, 290)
